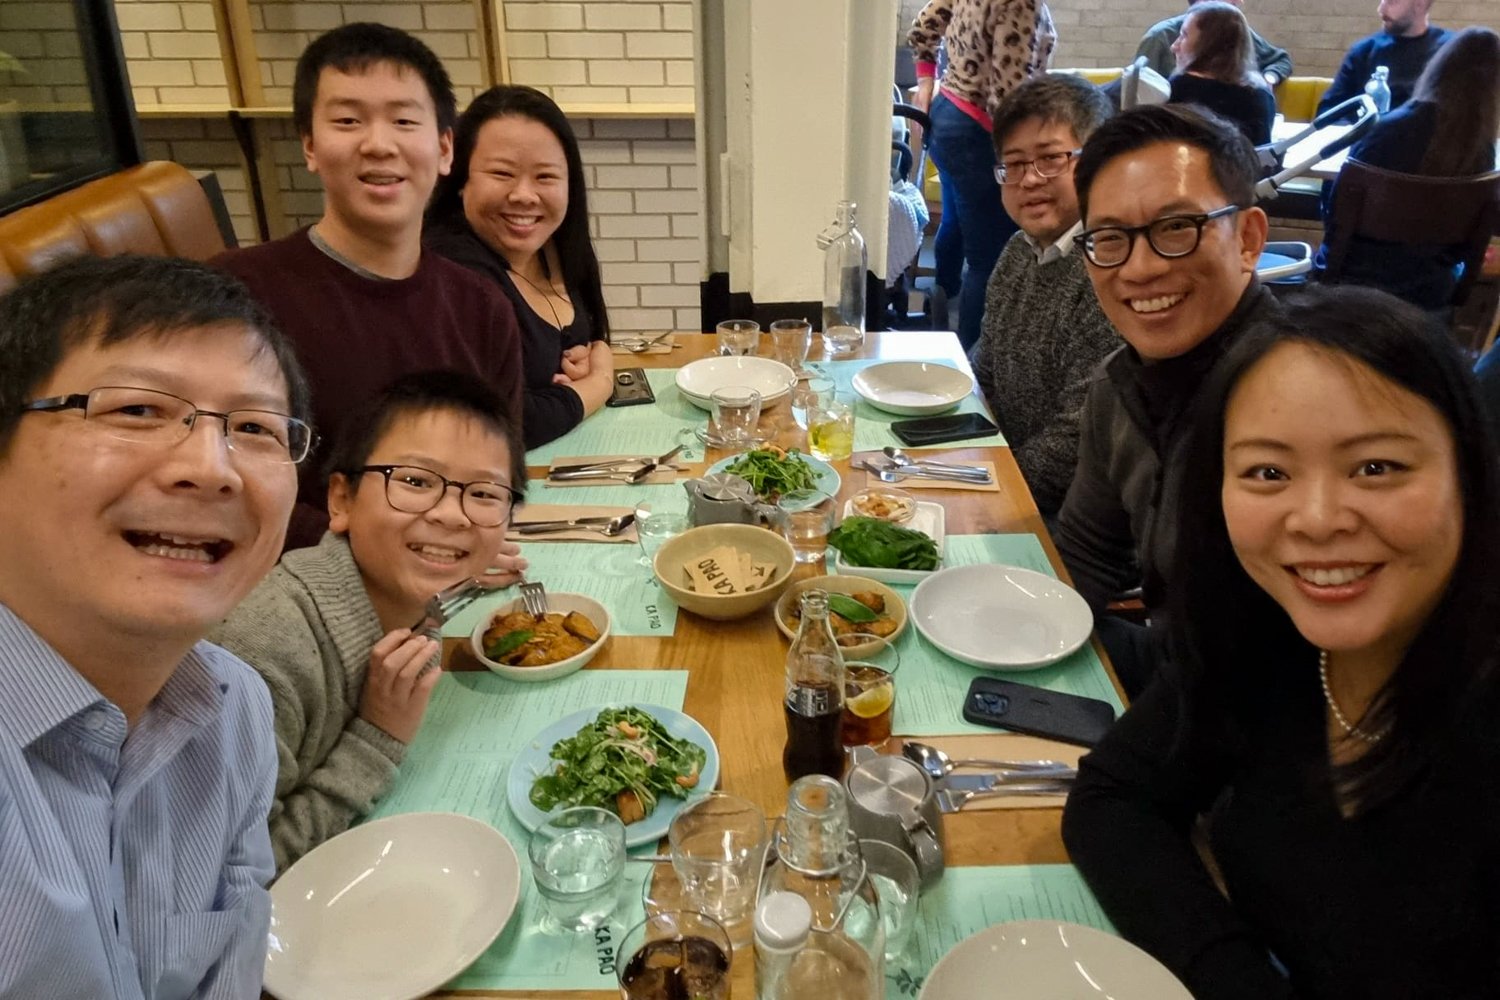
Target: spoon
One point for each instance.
(608, 529)
(938, 764)
(642, 346)
(900, 476)
(904, 460)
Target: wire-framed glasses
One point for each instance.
(150, 416)
(1047, 165)
(412, 489)
(1169, 236)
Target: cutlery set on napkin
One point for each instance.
(892, 465)
(1019, 781)
(628, 469)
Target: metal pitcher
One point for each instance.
(893, 799)
(724, 498)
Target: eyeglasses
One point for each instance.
(1169, 236)
(412, 489)
(1047, 165)
(148, 416)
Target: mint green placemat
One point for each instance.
(648, 429)
(872, 427)
(475, 725)
(968, 900)
(608, 573)
(931, 685)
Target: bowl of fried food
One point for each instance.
(855, 604)
(524, 647)
(884, 502)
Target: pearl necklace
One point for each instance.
(1338, 716)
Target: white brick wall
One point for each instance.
(172, 52)
(593, 51)
(40, 36)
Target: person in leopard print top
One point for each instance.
(993, 47)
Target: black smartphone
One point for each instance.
(1037, 711)
(631, 388)
(937, 430)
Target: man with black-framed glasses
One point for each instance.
(1171, 241)
(422, 480)
(151, 419)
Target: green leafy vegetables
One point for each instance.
(869, 541)
(848, 607)
(772, 472)
(623, 761)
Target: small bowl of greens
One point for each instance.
(772, 471)
(880, 550)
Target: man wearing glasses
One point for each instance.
(151, 419)
(1171, 242)
(1043, 333)
(422, 482)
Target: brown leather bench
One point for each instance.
(156, 208)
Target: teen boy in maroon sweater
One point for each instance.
(354, 291)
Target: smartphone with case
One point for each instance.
(939, 430)
(1037, 711)
(631, 388)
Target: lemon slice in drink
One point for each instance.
(869, 704)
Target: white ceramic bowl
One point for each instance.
(390, 910)
(894, 606)
(1000, 617)
(913, 388)
(1044, 958)
(698, 380)
(561, 602)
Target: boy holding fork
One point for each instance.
(421, 485)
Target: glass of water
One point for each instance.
(655, 522)
(578, 862)
(738, 337)
(736, 411)
(791, 339)
(806, 518)
(830, 430)
(899, 886)
(810, 394)
(718, 851)
(840, 340)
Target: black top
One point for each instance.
(1404, 57)
(1400, 902)
(1253, 109)
(550, 410)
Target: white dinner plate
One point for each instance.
(698, 380)
(913, 388)
(535, 759)
(927, 518)
(1027, 959)
(390, 910)
(1001, 617)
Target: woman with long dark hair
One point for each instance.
(1447, 129)
(515, 209)
(1217, 69)
(1334, 636)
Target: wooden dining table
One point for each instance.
(736, 668)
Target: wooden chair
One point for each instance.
(1392, 207)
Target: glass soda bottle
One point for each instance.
(1379, 88)
(818, 932)
(844, 266)
(814, 701)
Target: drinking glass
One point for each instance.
(830, 430)
(811, 394)
(674, 954)
(736, 411)
(899, 886)
(838, 340)
(791, 339)
(718, 850)
(738, 337)
(806, 518)
(578, 862)
(869, 689)
(655, 522)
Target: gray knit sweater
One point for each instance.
(1043, 335)
(308, 628)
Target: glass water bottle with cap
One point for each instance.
(814, 701)
(844, 266)
(1379, 88)
(818, 932)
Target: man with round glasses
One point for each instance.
(150, 420)
(422, 482)
(1171, 241)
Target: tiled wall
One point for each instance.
(45, 66)
(602, 52)
(172, 51)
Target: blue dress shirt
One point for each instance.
(132, 862)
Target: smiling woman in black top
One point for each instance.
(1216, 69)
(514, 208)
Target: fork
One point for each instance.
(642, 346)
(951, 801)
(445, 604)
(534, 597)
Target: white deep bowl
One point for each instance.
(1001, 617)
(390, 910)
(561, 602)
(698, 380)
(1044, 958)
(913, 388)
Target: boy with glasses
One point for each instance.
(1043, 332)
(1171, 242)
(151, 419)
(420, 490)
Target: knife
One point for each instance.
(613, 463)
(562, 525)
(985, 782)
